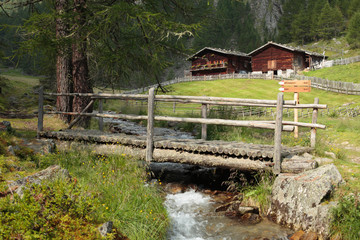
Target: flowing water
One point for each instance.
(193, 217)
(192, 213)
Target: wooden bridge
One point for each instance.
(243, 156)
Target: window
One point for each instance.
(272, 64)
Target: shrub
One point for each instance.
(59, 209)
(260, 192)
(346, 217)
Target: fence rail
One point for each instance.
(319, 83)
(342, 61)
(278, 125)
(332, 86)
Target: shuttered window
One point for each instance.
(272, 64)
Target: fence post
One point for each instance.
(296, 115)
(204, 126)
(314, 120)
(278, 129)
(101, 120)
(40, 111)
(150, 126)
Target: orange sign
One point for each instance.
(295, 86)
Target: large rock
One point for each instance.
(300, 201)
(50, 173)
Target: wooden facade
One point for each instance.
(214, 61)
(274, 57)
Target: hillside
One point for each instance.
(343, 73)
(334, 48)
(255, 89)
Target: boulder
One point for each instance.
(106, 228)
(330, 154)
(50, 173)
(301, 200)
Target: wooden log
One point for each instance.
(314, 120)
(237, 123)
(203, 125)
(101, 120)
(122, 116)
(319, 106)
(150, 126)
(40, 126)
(300, 124)
(161, 155)
(220, 99)
(289, 166)
(277, 137)
(82, 112)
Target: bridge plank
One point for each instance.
(232, 149)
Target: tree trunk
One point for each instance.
(80, 71)
(63, 63)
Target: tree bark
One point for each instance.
(63, 63)
(80, 70)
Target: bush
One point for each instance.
(346, 218)
(260, 192)
(59, 209)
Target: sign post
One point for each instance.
(295, 86)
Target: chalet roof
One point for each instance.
(219, 50)
(288, 47)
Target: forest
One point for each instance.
(131, 43)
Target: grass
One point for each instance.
(255, 89)
(118, 185)
(137, 210)
(17, 92)
(26, 128)
(343, 73)
(233, 88)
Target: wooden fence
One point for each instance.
(332, 86)
(278, 125)
(244, 111)
(324, 84)
(342, 61)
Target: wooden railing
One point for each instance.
(320, 83)
(278, 125)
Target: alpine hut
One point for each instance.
(282, 59)
(214, 61)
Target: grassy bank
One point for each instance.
(343, 73)
(103, 188)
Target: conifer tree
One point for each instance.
(353, 34)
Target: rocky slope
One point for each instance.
(267, 14)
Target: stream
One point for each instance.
(191, 202)
(193, 217)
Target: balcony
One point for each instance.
(211, 66)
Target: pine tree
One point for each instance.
(353, 33)
(330, 22)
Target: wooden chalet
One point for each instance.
(213, 61)
(279, 58)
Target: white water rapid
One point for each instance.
(193, 217)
